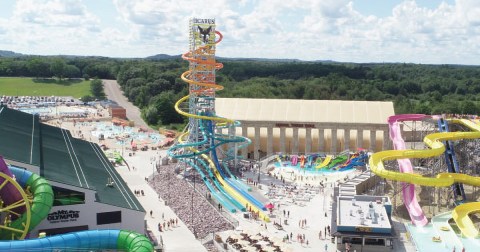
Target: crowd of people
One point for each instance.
(192, 207)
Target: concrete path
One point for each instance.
(114, 93)
(176, 239)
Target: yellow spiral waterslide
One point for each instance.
(434, 141)
(210, 88)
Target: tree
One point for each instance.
(96, 87)
(72, 71)
(164, 105)
(469, 107)
(37, 67)
(58, 67)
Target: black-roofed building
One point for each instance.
(89, 192)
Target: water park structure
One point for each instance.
(57, 206)
(199, 146)
(307, 126)
(449, 229)
(316, 163)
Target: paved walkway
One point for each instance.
(312, 211)
(176, 239)
(114, 93)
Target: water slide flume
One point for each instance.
(224, 194)
(202, 85)
(434, 141)
(325, 162)
(84, 240)
(40, 205)
(409, 198)
(464, 223)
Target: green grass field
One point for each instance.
(44, 87)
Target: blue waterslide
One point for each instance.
(89, 240)
(244, 194)
(216, 194)
(451, 160)
(84, 240)
(235, 180)
(220, 187)
(223, 139)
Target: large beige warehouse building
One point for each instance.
(294, 126)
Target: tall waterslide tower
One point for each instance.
(201, 74)
(202, 87)
(199, 144)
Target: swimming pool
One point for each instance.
(309, 171)
(422, 238)
(40, 111)
(109, 130)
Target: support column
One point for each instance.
(295, 140)
(282, 140)
(346, 139)
(269, 141)
(232, 132)
(373, 136)
(244, 151)
(308, 140)
(256, 154)
(334, 141)
(386, 140)
(359, 138)
(321, 140)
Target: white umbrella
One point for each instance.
(236, 236)
(256, 237)
(243, 242)
(260, 242)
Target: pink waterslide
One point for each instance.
(410, 200)
(294, 160)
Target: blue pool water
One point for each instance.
(128, 133)
(422, 238)
(311, 171)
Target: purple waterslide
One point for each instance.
(9, 194)
(410, 200)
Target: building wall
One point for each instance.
(118, 112)
(130, 219)
(310, 137)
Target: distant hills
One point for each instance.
(10, 54)
(163, 57)
(166, 56)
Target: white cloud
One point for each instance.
(304, 29)
(55, 13)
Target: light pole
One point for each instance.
(194, 175)
(258, 165)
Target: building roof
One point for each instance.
(19, 136)
(278, 110)
(351, 214)
(67, 160)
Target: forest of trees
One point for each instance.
(155, 85)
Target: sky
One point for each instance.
(405, 31)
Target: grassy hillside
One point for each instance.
(44, 87)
